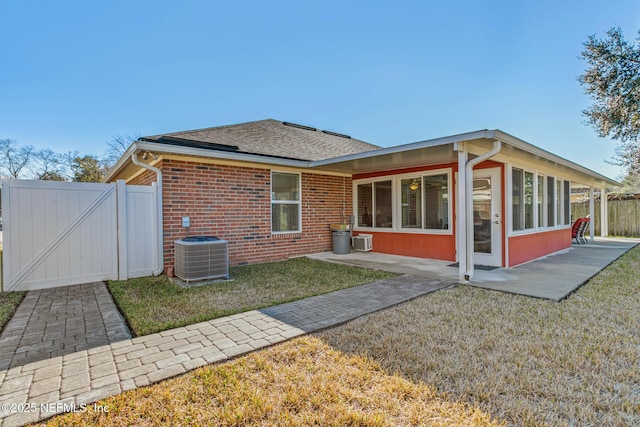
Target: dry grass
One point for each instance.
(529, 361)
(154, 304)
(301, 382)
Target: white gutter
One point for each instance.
(219, 154)
(497, 145)
(160, 231)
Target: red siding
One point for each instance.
(434, 246)
(531, 246)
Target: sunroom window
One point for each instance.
(365, 205)
(540, 201)
(375, 207)
(411, 193)
(436, 195)
(383, 216)
(567, 202)
(421, 202)
(522, 197)
(551, 214)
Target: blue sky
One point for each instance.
(72, 74)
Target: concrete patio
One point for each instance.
(552, 277)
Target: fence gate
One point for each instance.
(66, 233)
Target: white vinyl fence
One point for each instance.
(65, 233)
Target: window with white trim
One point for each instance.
(436, 202)
(375, 207)
(541, 202)
(418, 202)
(551, 191)
(567, 202)
(375, 204)
(538, 201)
(522, 197)
(285, 202)
(559, 210)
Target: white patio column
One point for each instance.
(592, 210)
(461, 209)
(604, 213)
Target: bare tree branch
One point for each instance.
(13, 158)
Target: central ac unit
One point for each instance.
(363, 242)
(201, 257)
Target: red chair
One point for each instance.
(578, 229)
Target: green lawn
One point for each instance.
(154, 304)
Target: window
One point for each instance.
(374, 205)
(528, 200)
(516, 197)
(405, 202)
(365, 205)
(285, 202)
(551, 214)
(522, 199)
(567, 202)
(411, 194)
(383, 217)
(559, 214)
(436, 197)
(540, 201)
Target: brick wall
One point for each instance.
(234, 203)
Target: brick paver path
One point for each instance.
(58, 321)
(38, 390)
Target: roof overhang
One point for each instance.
(422, 153)
(124, 167)
(444, 150)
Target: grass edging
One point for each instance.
(154, 304)
(9, 303)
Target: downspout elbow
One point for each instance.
(160, 249)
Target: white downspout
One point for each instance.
(160, 231)
(497, 146)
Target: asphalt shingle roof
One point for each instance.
(274, 138)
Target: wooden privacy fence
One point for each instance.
(624, 216)
(66, 233)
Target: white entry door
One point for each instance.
(487, 217)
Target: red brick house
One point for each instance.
(272, 188)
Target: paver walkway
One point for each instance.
(38, 390)
(58, 321)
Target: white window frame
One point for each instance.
(396, 197)
(373, 181)
(286, 202)
(545, 220)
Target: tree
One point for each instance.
(116, 148)
(50, 165)
(13, 159)
(87, 168)
(613, 82)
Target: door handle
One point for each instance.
(496, 222)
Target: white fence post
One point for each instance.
(123, 267)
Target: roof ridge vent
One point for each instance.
(341, 135)
(295, 125)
